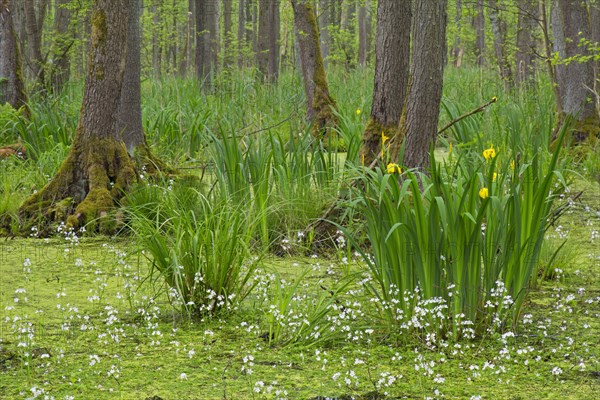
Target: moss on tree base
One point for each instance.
(85, 191)
(372, 142)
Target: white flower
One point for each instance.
(183, 376)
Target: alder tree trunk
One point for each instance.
(207, 39)
(425, 93)
(392, 57)
(63, 41)
(320, 105)
(479, 24)
(129, 119)
(228, 52)
(268, 39)
(324, 19)
(362, 35)
(575, 79)
(12, 88)
(525, 55)
(240, 32)
(34, 39)
(499, 34)
(595, 37)
(457, 50)
(98, 169)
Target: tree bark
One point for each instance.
(499, 34)
(362, 35)
(570, 25)
(423, 102)
(156, 39)
(324, 19)
(97, 170)
(524, 57)
(12, 89)
(595, 37)
(207, 39)
(241, 32)
(320, 104)
(268, 39)
(457, 50)
(129, 121)
(392, 56)
(61, 64)
(34, 36)
(479, 24)
(228, 51)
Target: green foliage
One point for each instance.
(465, 238)
(199, 247)
(297, 317)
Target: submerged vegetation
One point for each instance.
(276, 266)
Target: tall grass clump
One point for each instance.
(199, 246)
(465, 239)
(284, 183)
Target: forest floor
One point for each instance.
(80, 320)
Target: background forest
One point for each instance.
(303, 199)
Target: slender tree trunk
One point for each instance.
(392, 56)
(12, 89)
(268, 39)
(129, 121)
(240, 32)
(207, 39)
(423, 103)
(253, 16)
(97, 169)
(526, 26)
(362, 35)
(499, 33)
(61, 64)
(559, 48)
(34, 40)
(320, 104)
(479, 24)
(457, 51)
(543, 12)
(228, 51)
(348, 26)
(156, 39)
(578, 77)
(595, 37)
(324, 19)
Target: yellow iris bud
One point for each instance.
(484, 193)
(393, 168)
(384, 138)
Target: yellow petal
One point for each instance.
(484, 193)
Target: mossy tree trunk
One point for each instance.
(392, 55)
(320, 104)
(12, 89)
(98, 169)
(425, 93)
